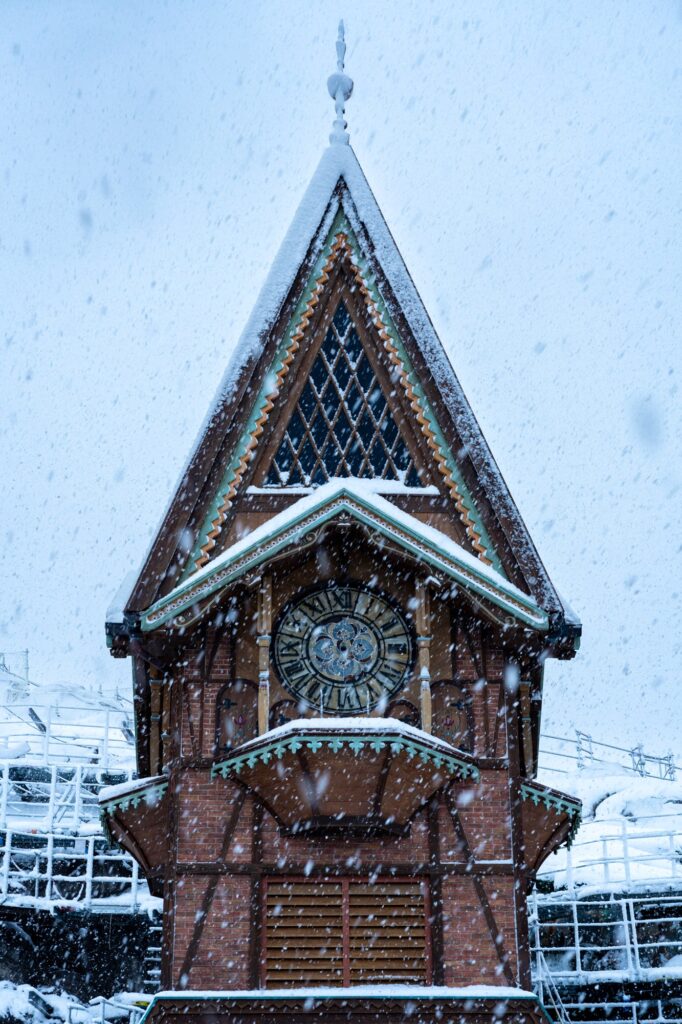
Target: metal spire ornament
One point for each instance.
(340, 89)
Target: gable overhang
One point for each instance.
(344, 502)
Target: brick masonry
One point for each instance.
(214, 906)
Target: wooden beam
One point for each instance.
(526, 730)
(518, 846)
(423, 617)
(495, 933)
(155, 689)
(263, 641)
(484, 869)
(256, 930)
(436, 891)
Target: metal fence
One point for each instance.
(631, 938)
(67, 871)
(649, 1011)
(53, 796)
(618, 852)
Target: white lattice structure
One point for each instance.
(606, 926)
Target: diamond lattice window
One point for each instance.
(342, 424)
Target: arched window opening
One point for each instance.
(405, 711)
(452, 716)
(281, 712)
(236, 714)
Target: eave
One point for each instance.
(330, 776)
(346, 501)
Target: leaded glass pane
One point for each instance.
(342, 424)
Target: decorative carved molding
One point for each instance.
(553, 801)
(341, 248)
(355, 741)
(149, 793)
(185, 607)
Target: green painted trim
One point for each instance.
(537, 794)
(355, 741)
(445, 451)
(218, 574)
(149, 794)
(340, 223)
(262, 398)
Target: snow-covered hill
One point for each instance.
(630, 836)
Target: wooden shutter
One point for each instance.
(303, 934)
(347, 932)
(387, 933)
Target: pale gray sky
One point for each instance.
(527, 158)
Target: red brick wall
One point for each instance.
(221, 958)
(469, 954)
(204, 806)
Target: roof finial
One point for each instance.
(340, 89)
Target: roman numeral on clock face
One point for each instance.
(342, 649)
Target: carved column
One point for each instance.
(424, 648)
(263, 641)
(526, 726)
(155, 728)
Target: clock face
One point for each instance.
(342, 649)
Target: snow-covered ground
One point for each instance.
(25, 1004)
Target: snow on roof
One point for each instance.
(477, 575)
(355, 724)
(310, 220)
(120, 599)
(107, 793)
(309, 227)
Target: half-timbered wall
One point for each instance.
(227, 846)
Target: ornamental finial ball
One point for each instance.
(340, 87)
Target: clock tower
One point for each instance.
(338, 639)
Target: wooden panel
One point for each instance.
(387, 932)
(303, 934)
(348, 932)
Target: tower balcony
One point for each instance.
(357, 775)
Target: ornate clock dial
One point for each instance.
(342, 649)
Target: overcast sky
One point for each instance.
(527, 158)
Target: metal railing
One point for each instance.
(649, 1011)
(622, 854)
(547, 991)
(76, 872)
(53, 796)
(619, 939)
(66, 734)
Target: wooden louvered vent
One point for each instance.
(347, 932)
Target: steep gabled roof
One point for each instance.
(339, 189)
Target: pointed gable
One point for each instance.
(339, 228)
